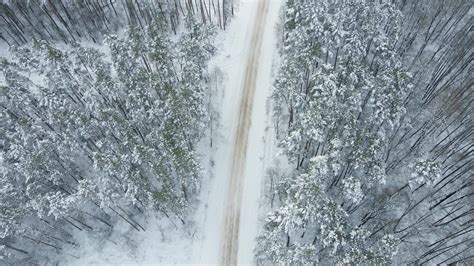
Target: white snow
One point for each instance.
(261, 146)
(232, 61)
(162, 243)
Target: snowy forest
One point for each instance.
(373, 106)
(104, 105)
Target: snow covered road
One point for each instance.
(243, 140)
(230, 240)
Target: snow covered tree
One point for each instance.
(89, 139)
(348, 91)
(72, 21)
(316, 229)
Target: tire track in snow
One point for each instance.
(230, 239)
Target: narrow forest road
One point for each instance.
(231, 210)
(230, 239)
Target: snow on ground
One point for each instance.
(163, 242)
(232, 61)
(261, 146)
